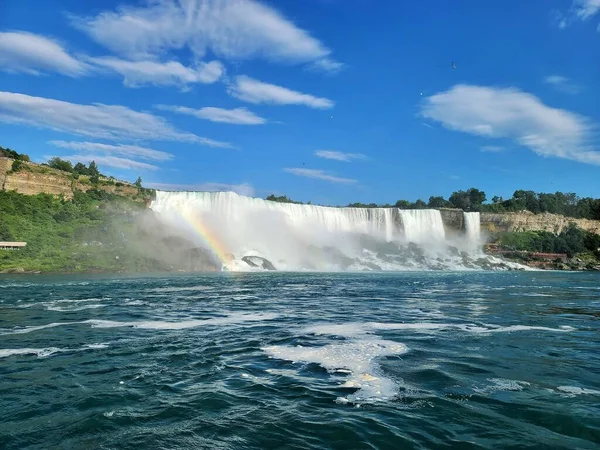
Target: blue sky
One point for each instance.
(324, 100)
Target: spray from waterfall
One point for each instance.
(243, 231)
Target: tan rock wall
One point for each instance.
(36, 179)
(527, 221)
(5, 166)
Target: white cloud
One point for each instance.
(254, 91)
(242, 189)
(581, 10)
(33, 54)
(584, 9)
(238, 116)
(513, 114)
(112, 122)
(562, 84)
(230, 29)
(339, 156)
(318, 174)
(111, 161)
(326, 65)
(120, 149)
(492, 148)
(172, 73)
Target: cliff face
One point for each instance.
(36, 179)
(453, 220)
(527, 221)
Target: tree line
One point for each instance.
(12, 154)
(473, 199)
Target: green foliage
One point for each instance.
(61, 164)
(438, 202)
(138, 182)
(571, 241)
(470, 200)
(18, 165)
(281, 199)
(82, 235)
(403, 204)
(9, 153)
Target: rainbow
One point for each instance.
(212, 240)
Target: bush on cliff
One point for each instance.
(571, 241)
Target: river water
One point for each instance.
(284, 360)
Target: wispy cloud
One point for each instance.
(33, 54)
(585, 9)
(562, 84)
(254, 91)
(172, 73)
(339, 156)
(111, 122)
(111, 161)
(233, 29)
(326, 65)
(120, 149)
(242, 189)
(318, 174)
(238, 116)
(513, 114)
(580, 10)
(492, 148)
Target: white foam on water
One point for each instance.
(351, 329)
(39, 352)
(183, 324)
(512, 328)
(44, 352)
(76, 308)
(231, 319)
(25, 330)
(355, 329)
(355, 359)
(502, 384)
(95, 346)
(182, 288)
(574, 390)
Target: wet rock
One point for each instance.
(259, 261)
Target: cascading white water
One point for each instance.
(423, 226)
(238, 229)
(473, 229)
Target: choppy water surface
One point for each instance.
(433, 360)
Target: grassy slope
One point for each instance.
(93, 232)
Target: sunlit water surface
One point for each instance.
(242, 361)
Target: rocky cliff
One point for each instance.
(34, 179)
(527, 221)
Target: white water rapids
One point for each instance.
(308, 237)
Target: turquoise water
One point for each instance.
(249, 361)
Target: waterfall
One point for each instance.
(473, 229)
(423, 225)
(237, 229)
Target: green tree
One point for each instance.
(437, 202)
(94, 173)
(419, 204)
(61, 164)
(138, 182)
(81, 169)
(403, 204)
(460, 200)
(17, 165)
